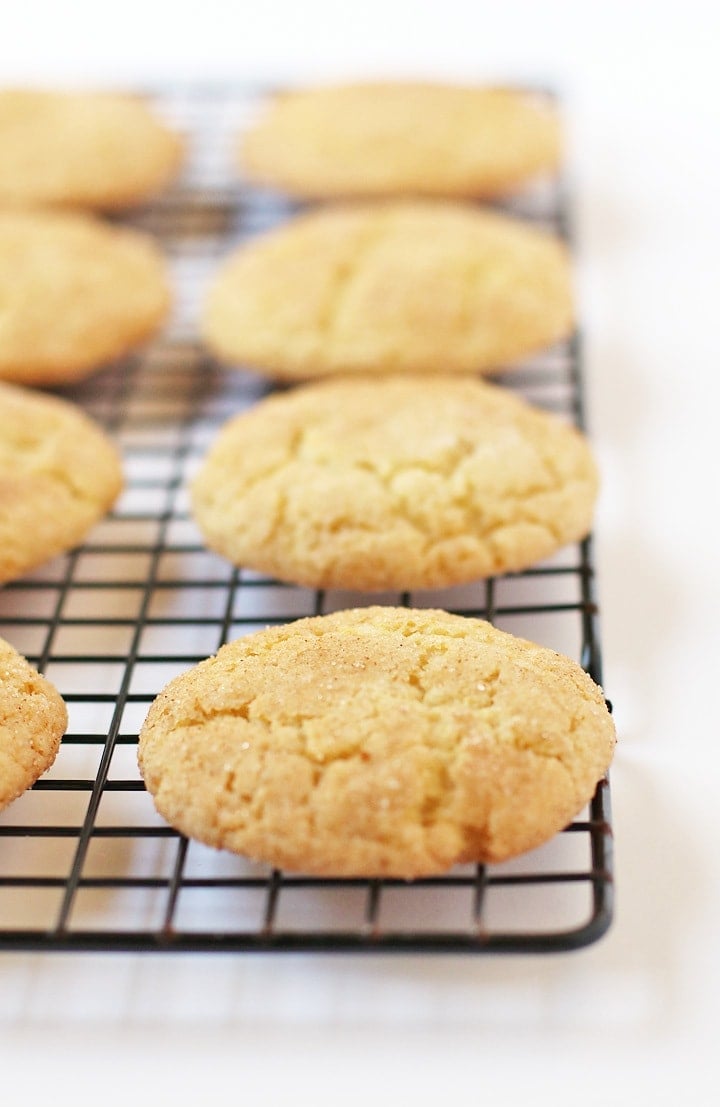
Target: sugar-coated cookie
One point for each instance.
(397, 139)
(74, 294)
(33, 719)
(81, 149)
(59, 474)
(404, 286)
(394, 483)
(377, 742)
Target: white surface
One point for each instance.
(633, 1018)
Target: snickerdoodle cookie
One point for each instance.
(394, 483)
(416, 286)
(396, 139)
(81, 149)
(33, 719)
(377, 742)
(74, 294)
(59, 474)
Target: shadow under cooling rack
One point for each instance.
(85, 862)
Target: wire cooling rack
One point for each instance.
(85, 862)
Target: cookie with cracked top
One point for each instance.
(33, 718)
(82, 150)
(59, 474)
(401, 138)
(431, 287)
(377, 742)
(75, 293)
(394, 484)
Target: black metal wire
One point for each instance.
(143, 577)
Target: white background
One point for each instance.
(633, 1019)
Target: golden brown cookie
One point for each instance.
(377, 742)
(394, 483)
(33, 719)
(92, 150)
(401, 139)
(59, 474)
(74, 294)
(426, 287)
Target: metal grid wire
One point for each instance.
(85, 862)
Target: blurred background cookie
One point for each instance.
(394, 483)
(75, 293)
(59, 474)
(377, 742)
(82, 149)
(399, 139)
(404, 286)
(33, 718)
